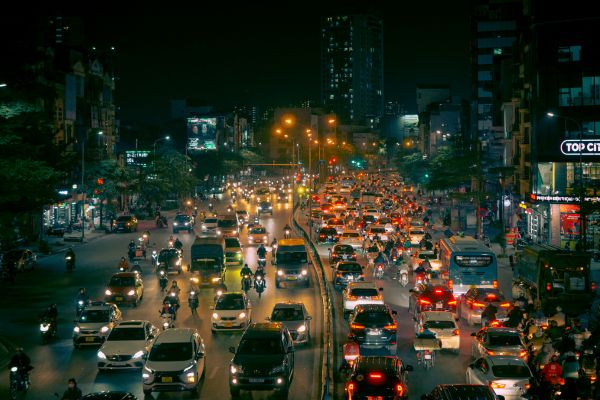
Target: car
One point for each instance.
(337, 224)
(461, 392)
(264, 360)
(125, 287)
(444, 326)
(183, 222)
(473, 303)
(292, 261)
(127, 345)
(507, 376)
(373, 326)
(421, 255)
(94, 323)
(498, 341)
(262, 191)
(257, 235)
(295, 318)
(346, 272)
(430, 297)
(264, 207)
(359, 293)
(57, 229)
(373, 212)
(367, 220)
(232, 311)
(327, 235)
(234, 254)
(227, 226)
(352, 238)
(176, 362)
(377, 230)
(109, 395)
(416, 234)
(170, 260)
(242, 217)
(21, 258)
(341, 252)
(378, 377)
(126, 223)
(209, 225)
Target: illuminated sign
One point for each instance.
(202, 134)
(574, 147)
(137, 157)
(540, 198)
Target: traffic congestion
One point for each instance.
(224, 297)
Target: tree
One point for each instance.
(414, 167)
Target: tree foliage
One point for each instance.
(451, 167)
(413, 166)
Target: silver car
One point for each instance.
(507, 376)
(295, 318)
(95, 322)
(500, 341)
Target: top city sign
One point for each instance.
(587, 147)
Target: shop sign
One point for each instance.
(586, 147)
(540, 198)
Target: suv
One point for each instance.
(498, 342)
(461, 392)
(182, 222)
(373, 326)
(264, 359)
(227, 226)
(358, 293)
(127, 345)
(175, 362)
(428, 297)
(385, 378)
(347, 271)
(125, 287)
(126, 223)
(291, 260)
(233, 252)
(264, 207)
(443, 325)
(96, 320)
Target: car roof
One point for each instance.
(289, 304)
(231, 294)
(437, 316)
(131, 324)
(363, 284)
(372, 308)
(505, 360)
(262, 329)
(466, 392)
(379, 363)
(501, 330)
(175, 335)
(291, 242)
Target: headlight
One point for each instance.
(280, 272)
(131, 292)
(14, 369)
(236, 369)
(302, 328)
(44, 327)
(104, 329)
(218, 232)
(147, 372)
(304, 272)
(174, 223)
(242, 315)
(270, 207)
(277, 370)
(80, 302)
(101, 355)
(203, 226)
(108, 292)
(139, 354)
(216, 279)
(187, 223)
(76, 329)
(215, 316)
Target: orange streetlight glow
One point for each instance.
(277, 130)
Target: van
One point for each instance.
(291, 260)
(208, 260)
(176, 362)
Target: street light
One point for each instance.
(582, 227)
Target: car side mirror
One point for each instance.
(408, 368)
(232, 350)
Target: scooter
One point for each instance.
(262, 261)
(69, 262)
(259, 285)
(47, 330)
(404, 276)
(246, 283)
(287, 234)
(193, 301)
(19, 382)
(79, 308)
(167, 321)
(154, 257)
(273, 249)
(378, 272)
(136, 267)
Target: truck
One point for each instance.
(551, 277)
(208, 260)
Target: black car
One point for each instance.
(341, 252)
(125, 223)
(171, 260)
(378, 377)
(348, 271)
(264, 360)
(427, 297)
(374, 326)
(461, 392)
(265, 207)
(183, 222)
(328, 235)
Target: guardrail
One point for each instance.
(327, 358)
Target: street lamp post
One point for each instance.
(582, 227)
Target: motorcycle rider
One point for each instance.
(380, 259)
(552, 372)
(273, 246)
(168, 309)
(51, 314)
(174, 288)
(131, 249)
(22, 362)
(70, 253)
(262, 251)
(73, 392)
(287, 229)
(488, 314)
(81, 296)
(260, 272)
(246, 270)
(123, 264)
(177, 244)
(515, 316)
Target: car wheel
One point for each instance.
(235, 392)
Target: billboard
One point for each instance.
(137, 157)
(202, 134)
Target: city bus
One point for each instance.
(466, 263)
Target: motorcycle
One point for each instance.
(210, 207)
(273, 249)
(246, 283)
(259, 285)
(79, 307)
(379, 271)
(69, 262)
(136, 268)
(588, 364)
(262, 261)
(420, 279)
(193, 301)
(154, 257)
(19, 382)
(287, 234)
(404, 276)
(167, 321)
(47, 329)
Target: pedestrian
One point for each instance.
(73, 392)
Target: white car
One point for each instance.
(372, 211)
(209, 225)
(352, 238)
(127, 345)
(232, 311)
(416, 235)
(423, 255)
(357, 293)
(257, 235)
(508, 376)
(444, 326)
(378, 230)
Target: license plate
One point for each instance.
(292, 278)
(439, 306)
(374, 332)
(118, 298)
(166, 379)
(428, 356)
(374, 397)
(227, 324)
(256, 380)
(329, 237)
(89, 339)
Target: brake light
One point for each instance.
(593, 286)
(456, 332)
(478, 305)
(399, 389)
(523, 353)
(490, 296)
(496, 385)
(321, 235)
(527, 386)
(391, 326)
(505, 305)
(495, 284)
(357, 326)
(350, 387)
(548, 287)
(593, 378)
(438, 291)
(337, 275)
(450, 284)
(352, 298)
(375, 375)
(378, 297)
(452, 302)
(424, 301)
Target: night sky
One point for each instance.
(262, 54)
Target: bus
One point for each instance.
(208, 260)
(466, 263)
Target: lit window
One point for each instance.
(569, 53)
(498, 52)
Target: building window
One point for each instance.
(484, 59)
(569, 53)
(484, 75)
(569, 97)
(591, 90)
(498, 52)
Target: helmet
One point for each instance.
(558, 308)
(122, 258)
(246, 265)
(81, 289)
(554, 358)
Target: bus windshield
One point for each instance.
(569, 280)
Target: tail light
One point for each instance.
(490, 353)
(523, 353)
(399, 389)
(424, 301)
(357, 326)
(593, 378)
(481, 305)
(527, 386)
(497, 385)
(548, 287)
(495, 284)
(452, 302)
(505, 305)
(450, 284)
(456, 332)
(438, 291)
(391, 326)
(490, 297)
(350, 387)
(375, 375)
(338, 275)
(378, 297)
(593, 286)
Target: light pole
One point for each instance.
(582, 227)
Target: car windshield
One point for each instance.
(350, 235)
(373, 318)
(124, 219)
(328, 231)
(291, 257)
(227, 223)
(121, 281)
(210, 220)
(232, 242)
(182, 218)
(230, 303)
(171, 352)
(377, 230)
(439, 325)
(511, 371)
(364, 292)
(343, 248)
(94, 316)
(260, 346)
(287, 314)
(368, 218)
(127, 334)
(504, 340)
(258, 230)
(353, 267)
(167, 254)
